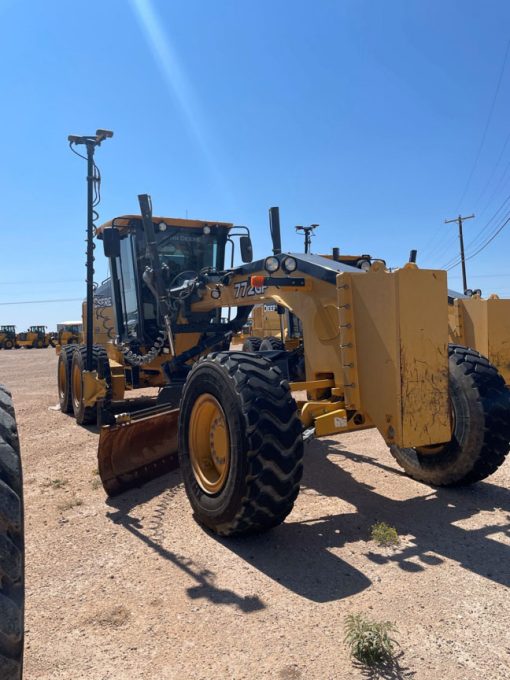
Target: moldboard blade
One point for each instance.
(137, 451)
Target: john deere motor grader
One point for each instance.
(7, 337)
(376, 354)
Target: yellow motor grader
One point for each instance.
(7, 337)
(374, 352)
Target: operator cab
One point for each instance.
(188, 250)
(7, 329)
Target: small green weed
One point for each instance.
(383, 534)
(72, 502)
(369, 641)
(55, 483)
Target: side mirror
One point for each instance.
(111, 242)
(246, 249)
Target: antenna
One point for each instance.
(308, 232)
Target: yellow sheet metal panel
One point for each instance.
(475, 324)
(369, 341)
(498, 321)
(455, 324)
(423, 319)
(398, 358)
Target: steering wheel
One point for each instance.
(188, 277)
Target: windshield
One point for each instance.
(184, 249)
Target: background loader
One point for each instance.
(372, 352)
(7, 337)
(68, 333)
(35, 337)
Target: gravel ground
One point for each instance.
(133, 588)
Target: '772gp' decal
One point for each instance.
(243, 289)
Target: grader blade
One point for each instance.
(137, 449)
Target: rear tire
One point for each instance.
(8, 344)
(271, 343)
(481, 414)
(85, 415)
(252, 344)
(264, 443)
(64, 379)
(12, 579)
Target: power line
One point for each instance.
(34, 283)
(40, 302)
(489, 118)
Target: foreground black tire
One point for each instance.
(8, 344)
(271, 343)
(481, 415)
(64, 379)
(240, 443)
(252, 344)
(85, 415)
(12, 585)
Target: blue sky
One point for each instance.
(364, 117)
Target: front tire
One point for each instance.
(481, 415)
(240, 443)
(12, 578)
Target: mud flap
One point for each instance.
(138, 449)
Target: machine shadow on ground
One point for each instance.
(297, 554)
(165, 488)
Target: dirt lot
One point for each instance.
(133, 588)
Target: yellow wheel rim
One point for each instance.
(77, 387)
(209, 444)
(62, 378)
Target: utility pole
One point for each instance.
(459, 221)
(308, 232)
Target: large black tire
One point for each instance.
(8, 344)
(271, 343)
(481, 415)
(64, 379)
(252, 344)
(266, 444)
(84, 415)
(12, 578)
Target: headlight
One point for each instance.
(289, 264)
(271, 264)
(468, 292)
(206, 230)
(364, 264)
